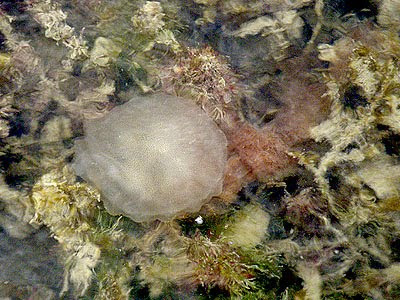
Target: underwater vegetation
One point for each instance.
(304, 97)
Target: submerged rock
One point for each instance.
(153, 157)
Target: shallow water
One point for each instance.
(306, 93)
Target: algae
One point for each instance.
(314, 80)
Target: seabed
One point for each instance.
(307, 94)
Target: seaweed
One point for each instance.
(310, 206)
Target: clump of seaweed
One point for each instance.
(65, 206)
(68, 209)
(49, 14)
(148, 20)
(113, 283)
(217, 264)
(162, 260)
(145, 25)
(282, 30)
(248, 228)
(307, 211)
(388, 15)
(139, 34)
(204, 75)
(92, 241)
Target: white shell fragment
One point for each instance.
(153, 157)
(199, 220)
